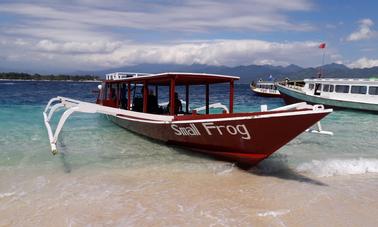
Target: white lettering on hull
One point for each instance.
(212, 129)
(186, 131)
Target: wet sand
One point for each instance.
(217, 194)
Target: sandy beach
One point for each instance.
(202, 194)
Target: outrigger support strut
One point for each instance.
(73, 105)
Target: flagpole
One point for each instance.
(321, 68)
(322, 46)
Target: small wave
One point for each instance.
(224, 169)
(336, 167)
(7, 194)
(273, 213)
(10, 83)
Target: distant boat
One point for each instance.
(357, 94)
(265, 89)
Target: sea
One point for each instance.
(107, 176)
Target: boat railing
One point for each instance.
(296, 87)
(164, 104)
(296, 106)
(217, 105)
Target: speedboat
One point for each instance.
(214, 129)
(356, 94)
(265, 89)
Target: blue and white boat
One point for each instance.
(357, 94)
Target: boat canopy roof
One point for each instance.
(179, 78)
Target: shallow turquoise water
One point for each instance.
(109, 176)
(91, 140)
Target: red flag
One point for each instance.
(322, 45)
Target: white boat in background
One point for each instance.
(357, 94)
(265, 89)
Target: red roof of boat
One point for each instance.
(180, 78)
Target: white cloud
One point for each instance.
(365, 31)
(87, 34)
(364, 63)
(77, 47)
(218, 52)
(189, 16)
(96, 55)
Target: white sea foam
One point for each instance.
(7, 194)
(334, 167)
(273, 213)
(225, 169)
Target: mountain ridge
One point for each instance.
(248, 73)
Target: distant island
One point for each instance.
(26, 76)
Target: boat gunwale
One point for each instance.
(224, 117)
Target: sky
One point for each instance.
(64, 36)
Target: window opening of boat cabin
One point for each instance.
(342, 88)
(373, 90)
(331, 88)
(358, 90)
(326, 88)
(318, 88)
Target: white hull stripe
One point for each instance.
(285, 114)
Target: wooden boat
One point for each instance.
(357, 94)
(265, 89)
(246, 138)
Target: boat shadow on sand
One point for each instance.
(277, 166)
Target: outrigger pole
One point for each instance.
(73, 105)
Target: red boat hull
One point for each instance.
(242, 138)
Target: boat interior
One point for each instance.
(155, 93)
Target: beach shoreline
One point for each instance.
(220, 194)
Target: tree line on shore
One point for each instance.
(26, 76)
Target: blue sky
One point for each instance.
(64, 36)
